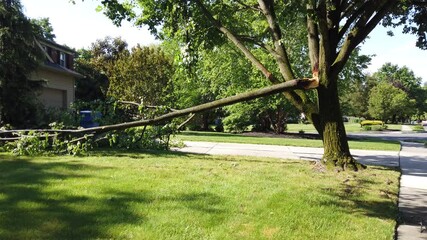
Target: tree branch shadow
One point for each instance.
(31, 209)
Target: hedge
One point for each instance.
(371, 122)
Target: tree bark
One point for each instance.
(332, 131)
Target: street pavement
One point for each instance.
(369, 157)
(412, 159)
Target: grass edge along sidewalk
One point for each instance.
(364, 144)
(165, 195)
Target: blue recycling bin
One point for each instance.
(88, 118)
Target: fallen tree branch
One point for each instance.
(147, 106)
(303, 84)
(186, 121)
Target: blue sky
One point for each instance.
(79, 25)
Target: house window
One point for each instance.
(62, 58)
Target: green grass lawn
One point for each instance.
(349, 127)
(394, 127)
(163, 195)
(366, 144)
(296, 127)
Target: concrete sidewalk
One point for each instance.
(412, 159)
(368, 157)
(413, 191)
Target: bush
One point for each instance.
(33, 143)
(371, 122)
(373, 127)
(236, 123)
(68, 118)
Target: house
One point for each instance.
(58, 73)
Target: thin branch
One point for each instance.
(86, 137)
(146, 106)
(233, 38)
(11, 139)
(186, 121)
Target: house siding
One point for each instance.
(59, 89)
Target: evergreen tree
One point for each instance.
(19, 56)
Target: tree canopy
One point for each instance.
(19, 56)
(43, 28)
(386, 101)
(404, 79)
(334, 29)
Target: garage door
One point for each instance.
(55, 98)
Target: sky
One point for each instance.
(79, 25)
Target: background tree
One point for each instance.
(334, 29)
(19, 56)
(420, 103)
(95, 83)
(143, 75)
(386, 100)
(404, 79)
(400, 77)
(43, 28)
(97, 65)
(353, 85)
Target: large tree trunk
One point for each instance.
(331, 129)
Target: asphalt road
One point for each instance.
(397, 136)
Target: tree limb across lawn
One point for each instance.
(303, 84)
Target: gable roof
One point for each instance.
(50, 64)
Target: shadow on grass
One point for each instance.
(351, 200)
(213, 134)
(138, 154)
(28, 210)
(34, 203)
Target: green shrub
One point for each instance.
(34, 143)
(367, 128)
(67, 118)
(236, 123)
(374, 127)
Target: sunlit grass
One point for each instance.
(349, 127)
(162, 195)
(394, 127)
(366, 144)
